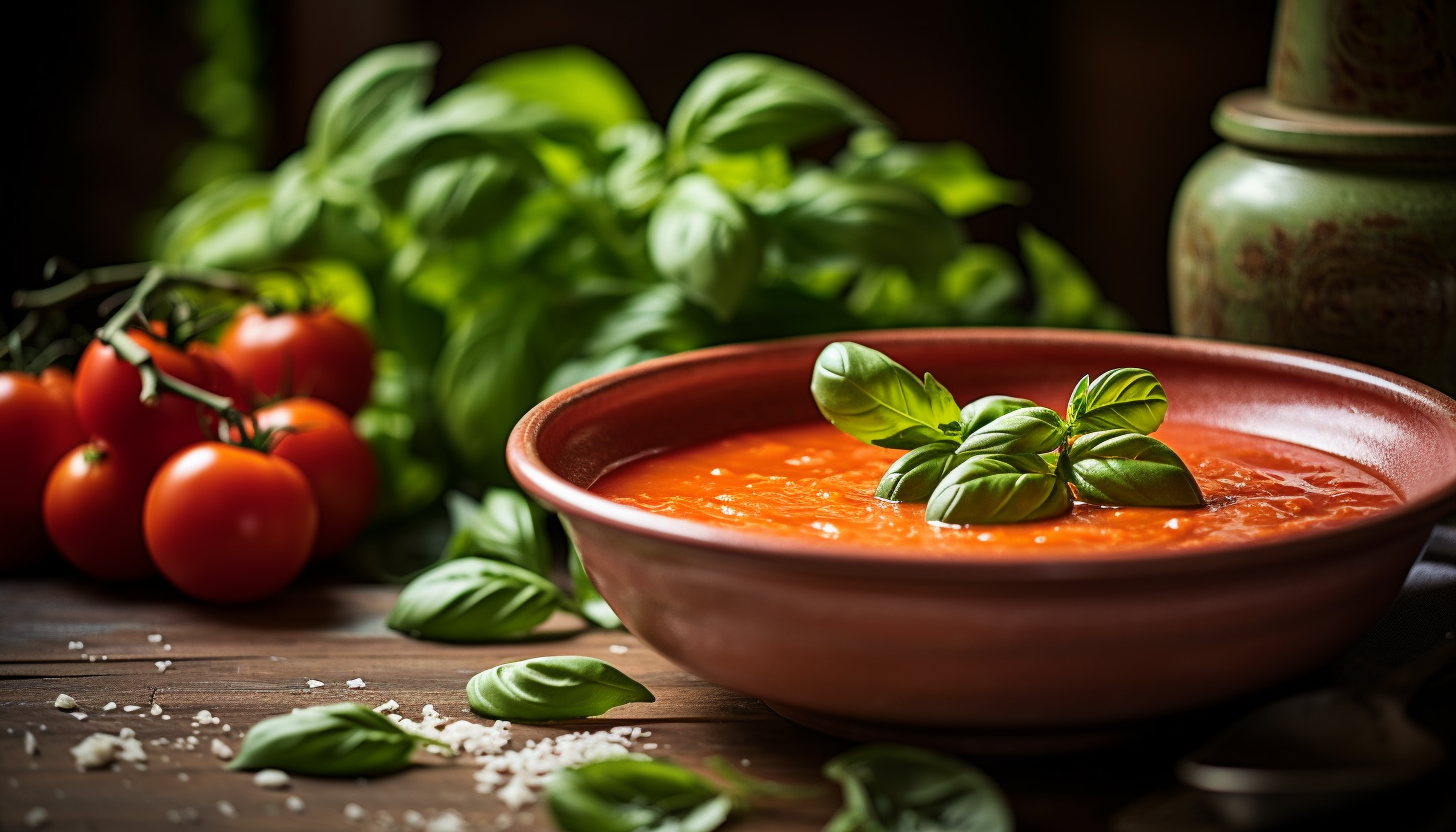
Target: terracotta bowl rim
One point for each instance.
(532, 473)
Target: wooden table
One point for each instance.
(247, 663)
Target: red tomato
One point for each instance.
(229, 524)
(224, 375)
(316, 354)
(339, 466)
(93, 512)
(37, 426)
(107, 400)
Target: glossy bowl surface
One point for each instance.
(840, 637)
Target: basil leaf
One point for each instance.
(897, 788)
(378, 90)
(1077, 404)
(870, 397)
(702, 238)
(474, 600)
(635, 795)
(223, 225)
(1122, 468)
(951, 173)
(593, 606)
(503, 526)
(831, 220)
(998, 488)
(987, 409)
(460, 197)
(552, 687)
(742, 103)
(637, 172)
(1121, 399)
(916, 474)
(570, 79)
(342, 740)
(1026, 430)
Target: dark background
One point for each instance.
(1100, 106)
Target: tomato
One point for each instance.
(312, 353)
(339, 466)
(229, 524)
(224, 375)
(93, 513)
(37, 426)
(108, 403)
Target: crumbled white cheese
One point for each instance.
(31, 746)
(295, 804)
(354, 813)
(314, 683)
(619, 649)
(65, 702)
(387, 708)
(155, 638)
(79, 715)
(413, 819)
(75, 645)
(131, 708)
(447, 821)
(516, 775)
(100, 750)
(221, 750)
(156, 709)
(166, 647)
(162, 667)
(271, 778)
(355, 683)
(37, 817)
(227, 810)
(182, 776)
(109, 706)
(206, 718)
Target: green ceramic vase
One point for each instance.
(1327, 221)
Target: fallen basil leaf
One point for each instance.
(1000, 488)
(702, 238)
(870, 397)
(987, 409)
(635, 795)
(1122, 468)
(341, 740)
(1123, 399)
(916, 474)
(552, 687)
(593, 606)
(475, 600)
(1027, 430)
(897, 788)
(503, 526)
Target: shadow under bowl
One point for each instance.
(868, 643)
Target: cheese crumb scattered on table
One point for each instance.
(131, 708)
(100, 750)
(65, 702)
(155, 638)
(314, 683)
(227, 810)
(206, 718)
(355, 813)
(31, 746)
(271, 778)
(79, 715)
(295, 804)
(156, 709)
(619, 649)
(109, 706)
(744, 762)
(37, 817)
(447, 821)
(74, 645)
(355, 683)
(183, 777)
(163, 665)
(166, 647)
(221, 750)
(387, 708)
(413, 819)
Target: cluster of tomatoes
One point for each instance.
(124, 490)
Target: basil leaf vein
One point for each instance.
(916, 474)
(1123, 468)
(867, 395)
(998, 488)
(1027, 430)
(987, 409)
(473, 599)
(344, 739)
(1123, 399)
(552, 687)
(895, 788)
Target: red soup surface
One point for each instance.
(811, 481)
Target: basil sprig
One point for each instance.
(343, 740)
(552, 687)
(1014, 460)
(635, 795)
(897, 788)
(474, 599)
(503, 526)
(870, 397)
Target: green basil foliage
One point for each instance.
(474, 599)
(503, 526)
(1015, 461)
(345, 740)
(897, 788)
(552, 687)
(635, 795)
(532, 228)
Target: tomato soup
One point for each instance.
(812, 481)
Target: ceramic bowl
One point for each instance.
(865, 643)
